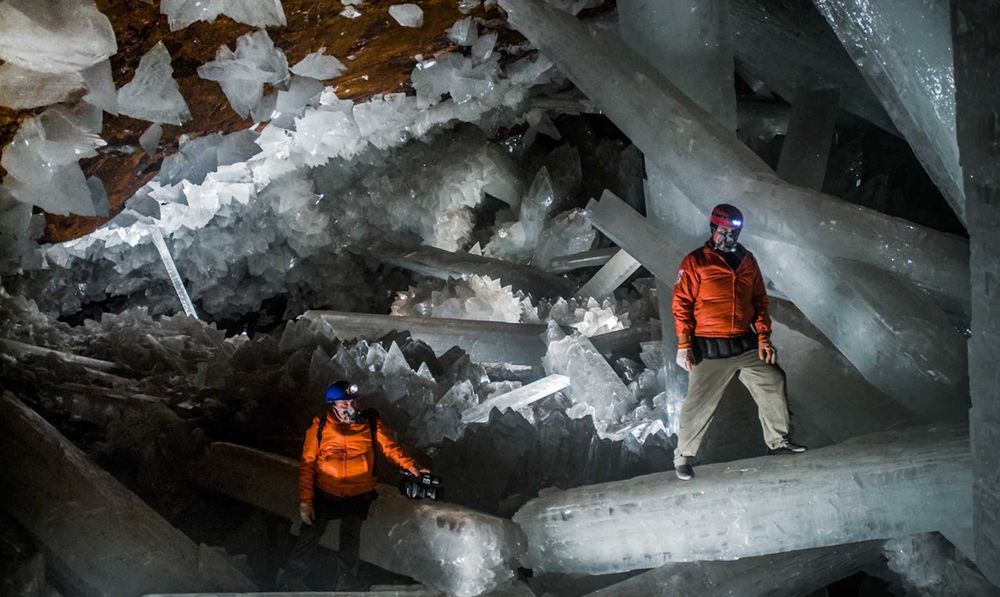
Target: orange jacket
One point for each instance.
(713, 301)
(344, 464)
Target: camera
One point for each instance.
(418, 487)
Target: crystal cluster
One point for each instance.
(42, 161)
(243, 73)
(256, 13)
(76, 35)
(222, 179)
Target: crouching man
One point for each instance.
(724, 330)
(336, 476)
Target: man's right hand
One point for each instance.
(685, 359)
(306, 512)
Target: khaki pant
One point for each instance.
(706, 385)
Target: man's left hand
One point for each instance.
(767, 352)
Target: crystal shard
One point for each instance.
(149, 140)
(872, 487)
(319, 66)
(172, 273)
(21, 88)
(515, 399)
(256, 13)
(441, 264)
(592, 258)
(407, 15)
(101, 87)
(488, 342)
(152, 94)
(611, 275)
(181, 13)
(76, 35)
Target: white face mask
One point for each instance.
(348, 415)
(725, 240)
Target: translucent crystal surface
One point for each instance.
(977, 95)
(407, 15)
(928, 565)
(243, 73)
(139, 551)
(172, 273)
(696, 31)
(319, 66)
(291, 103)
(592, 258)
(464, 32)
(181, 13)
(447, 264)
(876, 486)
(21, 88)
(101, 90)
(42, 160)
(149, 140)
(258, 13)
(460, 76)
(515, 399)
(611, 275)
(517, 241)
(905, 54)
(76, 35)
(791, 573)
(574, 7)
(566, 233)
(152, 94)
(595, 388)
(791, 47)
(448, 547)
(805, 151)
(476, 297)
(489, 342)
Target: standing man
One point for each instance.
(724, 329)
(336, 476)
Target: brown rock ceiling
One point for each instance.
(383, 58)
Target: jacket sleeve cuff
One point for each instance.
(764, 337)
(683, 342)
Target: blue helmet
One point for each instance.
(341, 390)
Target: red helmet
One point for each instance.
(726, 215)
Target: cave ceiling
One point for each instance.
(378, 53)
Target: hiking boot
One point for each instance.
(685, 472)
(787, 447)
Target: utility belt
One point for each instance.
(724, 348)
